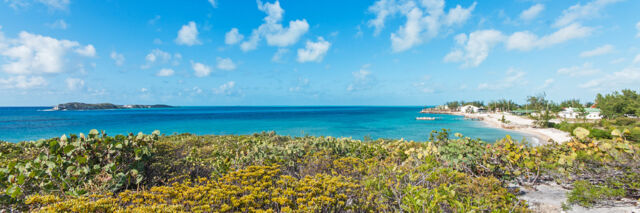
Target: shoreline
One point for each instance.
(517, 124)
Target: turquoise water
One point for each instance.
(32, 123)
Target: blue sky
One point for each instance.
(303, 52)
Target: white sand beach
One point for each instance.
(520, 124)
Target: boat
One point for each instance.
(426, 118)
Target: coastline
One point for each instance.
(518, 124)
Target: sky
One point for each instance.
(303, 52)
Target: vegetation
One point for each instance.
(271, 173)
(619, 104)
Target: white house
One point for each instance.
(471, 109)
(574, 113)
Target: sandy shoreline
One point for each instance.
(519, 124)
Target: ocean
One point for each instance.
(33, 123)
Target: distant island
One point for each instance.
(85, 106)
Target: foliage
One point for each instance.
(618, 104)
(267, 172)
(587, 194)
(74, 165)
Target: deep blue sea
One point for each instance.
(33, 123)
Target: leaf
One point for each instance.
(581, 133)
(14, 191)
(68, 149)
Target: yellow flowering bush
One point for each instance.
(270, 173)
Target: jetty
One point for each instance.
(426, 118)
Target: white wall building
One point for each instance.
(574, 113)
(471, 109)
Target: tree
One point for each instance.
(619, 104)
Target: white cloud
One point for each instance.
(143, 90)
(88, 51)
(638, 28)
(362, 79)
(22, 82)
(579, 11)
(512, 78)
(547, 83)
(188, 35)
(475, 49)
(605, 49)
(532, 12)
(200, 70)
(628, 77)
(59, 24)
(423, 21)
(117, 58)
(225, 64)
(526, 40)
(233, 37)
(585, 70)
(272, 29)
(74, 83)
(302, 84)
(31, 53)
(161, 57)
(314, 51)
(459, 15)
(55, 4)
(165, 72)
(636, 59)
(228, 89)
(277, 57)
(213, 3)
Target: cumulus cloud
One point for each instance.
(233, 37)
(578, 12)
(165, 72)
(22, 82)
(605, 49)
(188, 35)
(225, 64)
(626, 78)
(636, 60)
(117, 58)
(200, 70)
(228, 89)
(512, 78)
(585, 69)
(277, 57)
(526, 40)
(157, 56)
(474, 49)
(272, 29)
(532, 12)
(51, 4)
(314, 51)
(638, 28)
(423, 20)
(31, 53)
(362, 79)
(74, 83)
(88, 51)
(301, 84)
(547, 83)
(59, 24)
(213, 3)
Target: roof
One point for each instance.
(523, 111)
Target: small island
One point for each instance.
(102, 106)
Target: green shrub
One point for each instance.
(587, 194)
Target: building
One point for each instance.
(471, 109)
(574, 113)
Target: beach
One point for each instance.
(519, 124)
